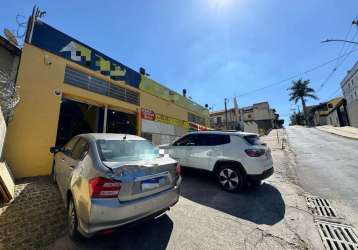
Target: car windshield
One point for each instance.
(126, 150)
(253, 140)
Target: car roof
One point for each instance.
(111, 136)
(220, 132)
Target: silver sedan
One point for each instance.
(109, 180)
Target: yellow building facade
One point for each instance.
(68, 88)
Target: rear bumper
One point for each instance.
(111, 213)
(258, 177)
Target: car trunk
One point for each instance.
(140, 179)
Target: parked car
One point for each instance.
(235, 157)
(109, 180)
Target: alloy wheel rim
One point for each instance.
(228, 178)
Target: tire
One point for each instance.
(53, 173)
(72, 222)
(230, 179)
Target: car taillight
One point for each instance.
(178, 170)
(104, 188)
(255, 152)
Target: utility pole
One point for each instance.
(225, 100)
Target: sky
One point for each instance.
(215, 49)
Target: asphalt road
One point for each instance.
(327, 165)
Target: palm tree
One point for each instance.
(300, 90)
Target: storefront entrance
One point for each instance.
(79, 118)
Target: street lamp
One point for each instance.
(338, 40)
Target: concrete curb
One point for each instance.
(334, 133)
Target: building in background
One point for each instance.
(258, 118)
(349, 87)
(69, 88)
(333, 112)
(229, 121)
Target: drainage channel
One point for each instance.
(321, 207)
(335, 236)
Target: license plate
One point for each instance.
(153, 183)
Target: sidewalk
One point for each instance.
(348, 132)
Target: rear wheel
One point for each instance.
(230, 178)
(72, 221)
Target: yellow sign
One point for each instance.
(171, 121)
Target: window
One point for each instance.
(253, 140)
(218, 120)
(126, 150)
(212, 139)
(196, 119)
(80, 149)
(67, 149)
(188, 140)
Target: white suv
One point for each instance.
(235, 157)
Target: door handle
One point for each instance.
(72, 166)
(62, 159)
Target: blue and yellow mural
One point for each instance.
(54, 41)
(48, 38)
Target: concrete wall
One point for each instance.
(353, 113)
(8, 62)
(2, 133)
(332, 119)
(349, 87)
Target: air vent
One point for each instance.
(93, 84)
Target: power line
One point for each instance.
(340, 62)
(297, 75)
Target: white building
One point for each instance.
(349, 87)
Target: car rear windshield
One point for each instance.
(253, 140)
(126, 150)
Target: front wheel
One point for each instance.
(230, 178)
(72, 221)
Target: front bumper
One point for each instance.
(111, 213)
(259, 177)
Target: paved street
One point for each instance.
(327, 165)
(274, 216)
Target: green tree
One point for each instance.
(297, 119)
(300, 90)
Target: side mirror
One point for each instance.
(55, 150)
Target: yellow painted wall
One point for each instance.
(33, 129)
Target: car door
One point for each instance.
(207, 150)
(179, 149)
(61, 161)
(73, 161)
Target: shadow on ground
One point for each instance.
(262, 205)
(151, 234)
